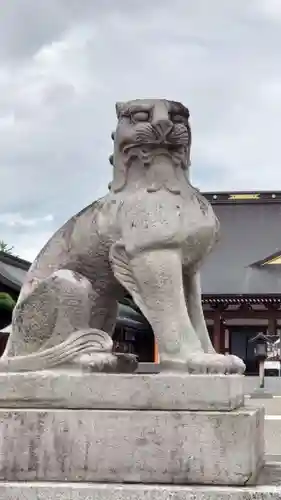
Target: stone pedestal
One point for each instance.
(112, 430)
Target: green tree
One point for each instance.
(6, 302)
(4, 247)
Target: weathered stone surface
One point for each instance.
(176, 447)
(163, 391)
(271, 490)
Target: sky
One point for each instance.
(64, 64)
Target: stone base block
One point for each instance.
(116, 446)
(161, 391)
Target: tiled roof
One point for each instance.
(12, 270)
(250, 233)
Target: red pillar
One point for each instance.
(226, 340)
(217, 330)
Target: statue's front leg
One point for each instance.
(192, 288)
(154, 279)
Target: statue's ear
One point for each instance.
(119, 106)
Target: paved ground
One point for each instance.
(272, 384)
(272, 413)
(272, 426)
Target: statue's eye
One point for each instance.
(178, 119)
(140, 116)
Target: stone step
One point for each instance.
(273, 437)
(86, 491)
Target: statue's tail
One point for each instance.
(80, 345)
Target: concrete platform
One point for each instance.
(268, 489)
(161, 391)
(171, 447)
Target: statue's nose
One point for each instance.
(163, 127)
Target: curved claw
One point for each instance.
(107, 362)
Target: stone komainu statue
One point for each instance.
(149, 236)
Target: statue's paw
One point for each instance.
(200, 362)
(214, 363)
(237, 365)
(107, 362)
(208, 363)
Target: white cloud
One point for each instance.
(16, 219)
(31, 246)
(270, 9)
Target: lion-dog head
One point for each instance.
(151, 134)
